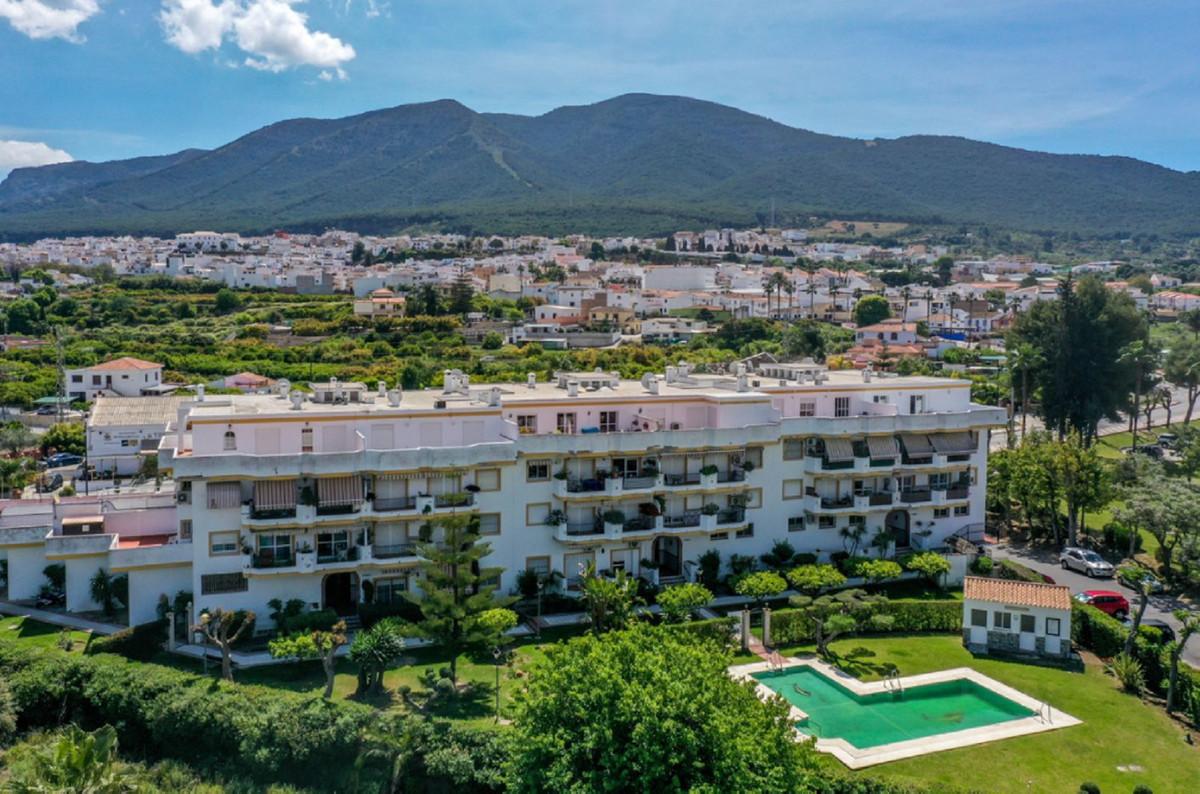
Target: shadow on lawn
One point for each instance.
(857, 662)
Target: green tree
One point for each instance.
(1086, 484)
(316, 644)
(677, 602)
(931, 565)
(23, 316)
(376, 649)
(1181, 368)
(812, 579)
(760, 585)
(77, 762)
(870, 310)
(455, 590)
(649, 710)
(608, 602)
(1022, 359)
(8, 715)
(462, 290)
(15, 438)
(1190, 624)
(834, 614)
(223, 628)
(492, 341)
(876, 571)
(64, 437)
(227, 301)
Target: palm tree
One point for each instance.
(1142, 355)
(1024, 358)
(904, 293)
(790, 289)
(775, 284)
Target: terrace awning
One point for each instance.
(223, 495)
(339, 491)
(952, 443)
(883, 447)
(916, 444)
(838, 450)
(274, 494)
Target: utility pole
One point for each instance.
(62, 372)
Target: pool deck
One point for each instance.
(1046, 718)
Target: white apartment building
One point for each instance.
(323, 498)
(122, 431)
(121, 377)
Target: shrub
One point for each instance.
(1116, 537)
(370, 614)
(851, 566)
(8, 716)
(1102, 633)
(760, 585)
(716, 630)
(678, 601)
(792, 626)
(929, 564)
(805, 558)
(320, 620)
(982, 566)
(1015, 570)
(1142, 788)
(878, 570)
(139, 642)
(1089, 788)
(1128, 671)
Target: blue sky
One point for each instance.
(103, 79)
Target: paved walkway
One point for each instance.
(58, 618)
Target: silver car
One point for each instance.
(1086, 562)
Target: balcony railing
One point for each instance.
(644, 481)
(273, 512)
(386, 551)
(270, 559)
(731, 515)
(336, 510)
(834, 502)
(639, 524)
(916, 495)
(340, 555)
(831, 465)
(732, 475)
(585, 528)
(385, 504)
(881, 498)
(465, 499)
(591, 485)
(689, 519)
(681, 479)
(957, 492)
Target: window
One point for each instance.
(537, 515)
(751, 499)
(185, 529)
(565, 423)
(489, 524)
(939, 481)
(748, 532)
(527, 424)
(807, 408)
(333, 546)
(76, 379)
(962, 510)
(857, 522)
(391, 590)
(230, 440)
(916, 404)
(1028, 624)
(1053, 627)
(719, 536)
(880, 399)
(537, 470)
(793, 489)
(487, 479)
(217, 583)
(793, 448)
(941, 512)
(1002, 620)
(222, 543)
(826, 522)
(306, 439)
(275, 548)
(841, 406)
(795, 523)
(979, 618)
(608, 421)
(539, 565)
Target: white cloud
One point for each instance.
(49, 19)
(273, 34)
(22, 154)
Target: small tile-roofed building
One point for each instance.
(1009, 616)
(122, 431)
(120, 377)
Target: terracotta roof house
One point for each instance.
(1016, 617)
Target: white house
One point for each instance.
(121, 377)
(1016, 617)
(122, 430)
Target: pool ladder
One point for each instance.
(892, 682)
(1045, 712)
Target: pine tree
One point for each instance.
(461, 293)
(455, 590)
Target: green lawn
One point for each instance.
(1117, 729)
(39, 635)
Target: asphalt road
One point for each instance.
(1045, 561)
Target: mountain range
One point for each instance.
(636, 164)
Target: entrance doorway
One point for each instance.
(341, 593)
(897, 526)
(668, 553)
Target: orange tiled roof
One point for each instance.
(1009, 591)
(127, 362)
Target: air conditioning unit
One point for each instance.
(439, 403)
(184, 497)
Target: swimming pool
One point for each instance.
(866, 723)
(894, 715)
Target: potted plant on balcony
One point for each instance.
(709, 471)
(650, 468)
(308, 496)
(556, 518)
(708, 515)
(472, 488)
(710, 509)
(304, 547)
(561, 474)
(748, 466)
(614, 521)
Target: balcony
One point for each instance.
(881, 499)
(679, 480)
(337, 510)
(392, 551)
(454, 500)
(953, 493)
(686, 520)
(916, 495)
(731, 515)
(265, 561)
(393, 504)
(573, 532)
(268, 514)
(640, 524)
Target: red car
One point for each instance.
(1106, 601)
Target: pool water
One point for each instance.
(886, 717)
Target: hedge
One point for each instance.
(1105, 637)
(792, 627)
(1015, 570)
(272, 735)
(718, 630)
(139, 642)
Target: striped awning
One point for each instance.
(274, 494)
(883, 447)
(838, 449)
(420, 474)
(339, 491)
(223, 495)
(916, 444)
(952, 443)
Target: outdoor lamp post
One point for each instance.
(498, 654)
(541, 585)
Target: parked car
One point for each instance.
(1106, 601)
(1168, 633)
(1132, 577)
(1085, 561)
(1168, 440)
(47, 410)
(51, 483)
(63, 459)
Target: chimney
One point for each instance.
(382, 388)
(393, 398)
(572, 388)
(333, 382)
(200, 392)
(531, 380)
(743, 382)
(297, 399)
(494, 396)
(866, 375)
